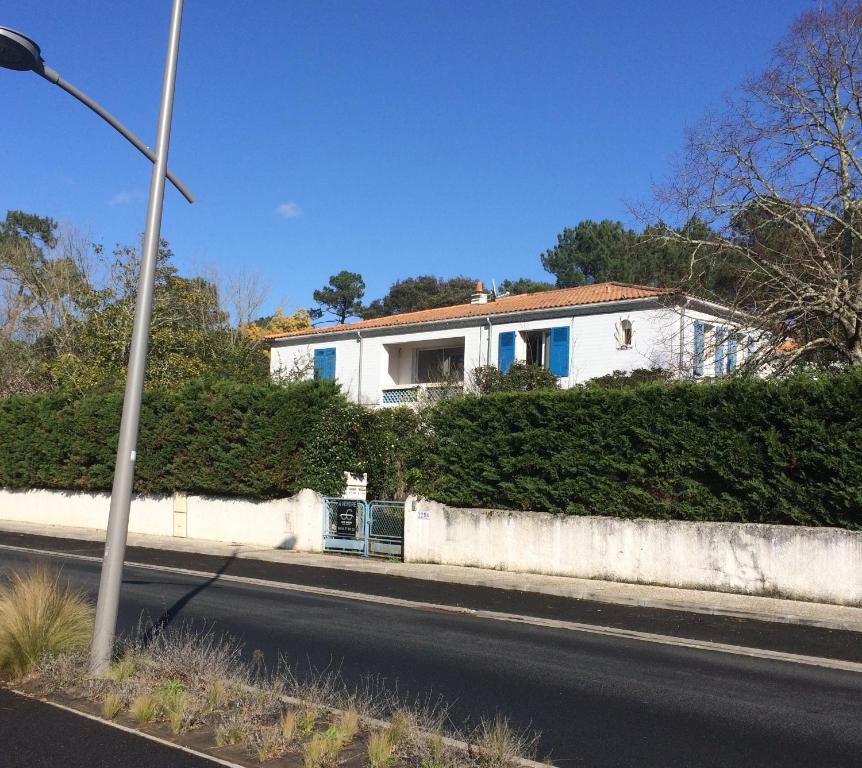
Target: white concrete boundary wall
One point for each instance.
(820, 564)
(293, 523)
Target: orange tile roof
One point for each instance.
(597, 293)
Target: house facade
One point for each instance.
(578, 333)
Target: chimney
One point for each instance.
(480, 295)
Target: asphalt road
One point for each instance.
(598, 700)
(37, 735)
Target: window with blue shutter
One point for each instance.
(324, 363)
(506, 352)
(697, 360)
(731, 352)
(719, 351)
(559, 358)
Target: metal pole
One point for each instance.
(121, 495)
(52, 76)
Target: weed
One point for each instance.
(432, 750)
(268, 743)
(215, 695)
(318, 751)
(380, 748)
(173, 701)
(112, 705)
(143, 708)
(288, 725)
(123, 668)
(40, 617)
(334, 743)
(306, 719)
(500, 745)
(234, 729)
(177, 714)
(401, 724)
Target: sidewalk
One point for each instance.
(616, 593)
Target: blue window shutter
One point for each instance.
(719, 351)
(731, 352)
(697, 362)
(559, 362)
(506, 354)
(324, 363)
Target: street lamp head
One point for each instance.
(19, 52)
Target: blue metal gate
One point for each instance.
(369, 529)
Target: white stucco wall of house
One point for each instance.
(659, 335)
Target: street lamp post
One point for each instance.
(21, 53)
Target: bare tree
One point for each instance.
(776, 177)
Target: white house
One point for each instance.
(578, 333)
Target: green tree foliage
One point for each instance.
(59, 330)
(423, 292)
(595, 252)
(341, 298)
(189, 333)
(521, 377)
(43, 290)
(591, 252)
(525, 285)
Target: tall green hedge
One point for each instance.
(773, 452)
(778, 452)
(259, 441)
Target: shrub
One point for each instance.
(39, 617)
(520, 377)
(742, 451)
(220, 438)
(623, 379)
(211, 438)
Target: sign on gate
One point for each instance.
(346, 517)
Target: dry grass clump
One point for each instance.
(500, 745)
(215, 696)
(380, 749)
(39, 617)
(143, 708)
(112, 705)
(322, 749)
(348, 725)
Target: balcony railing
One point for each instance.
(420, 393)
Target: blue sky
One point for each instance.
(389, 138)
